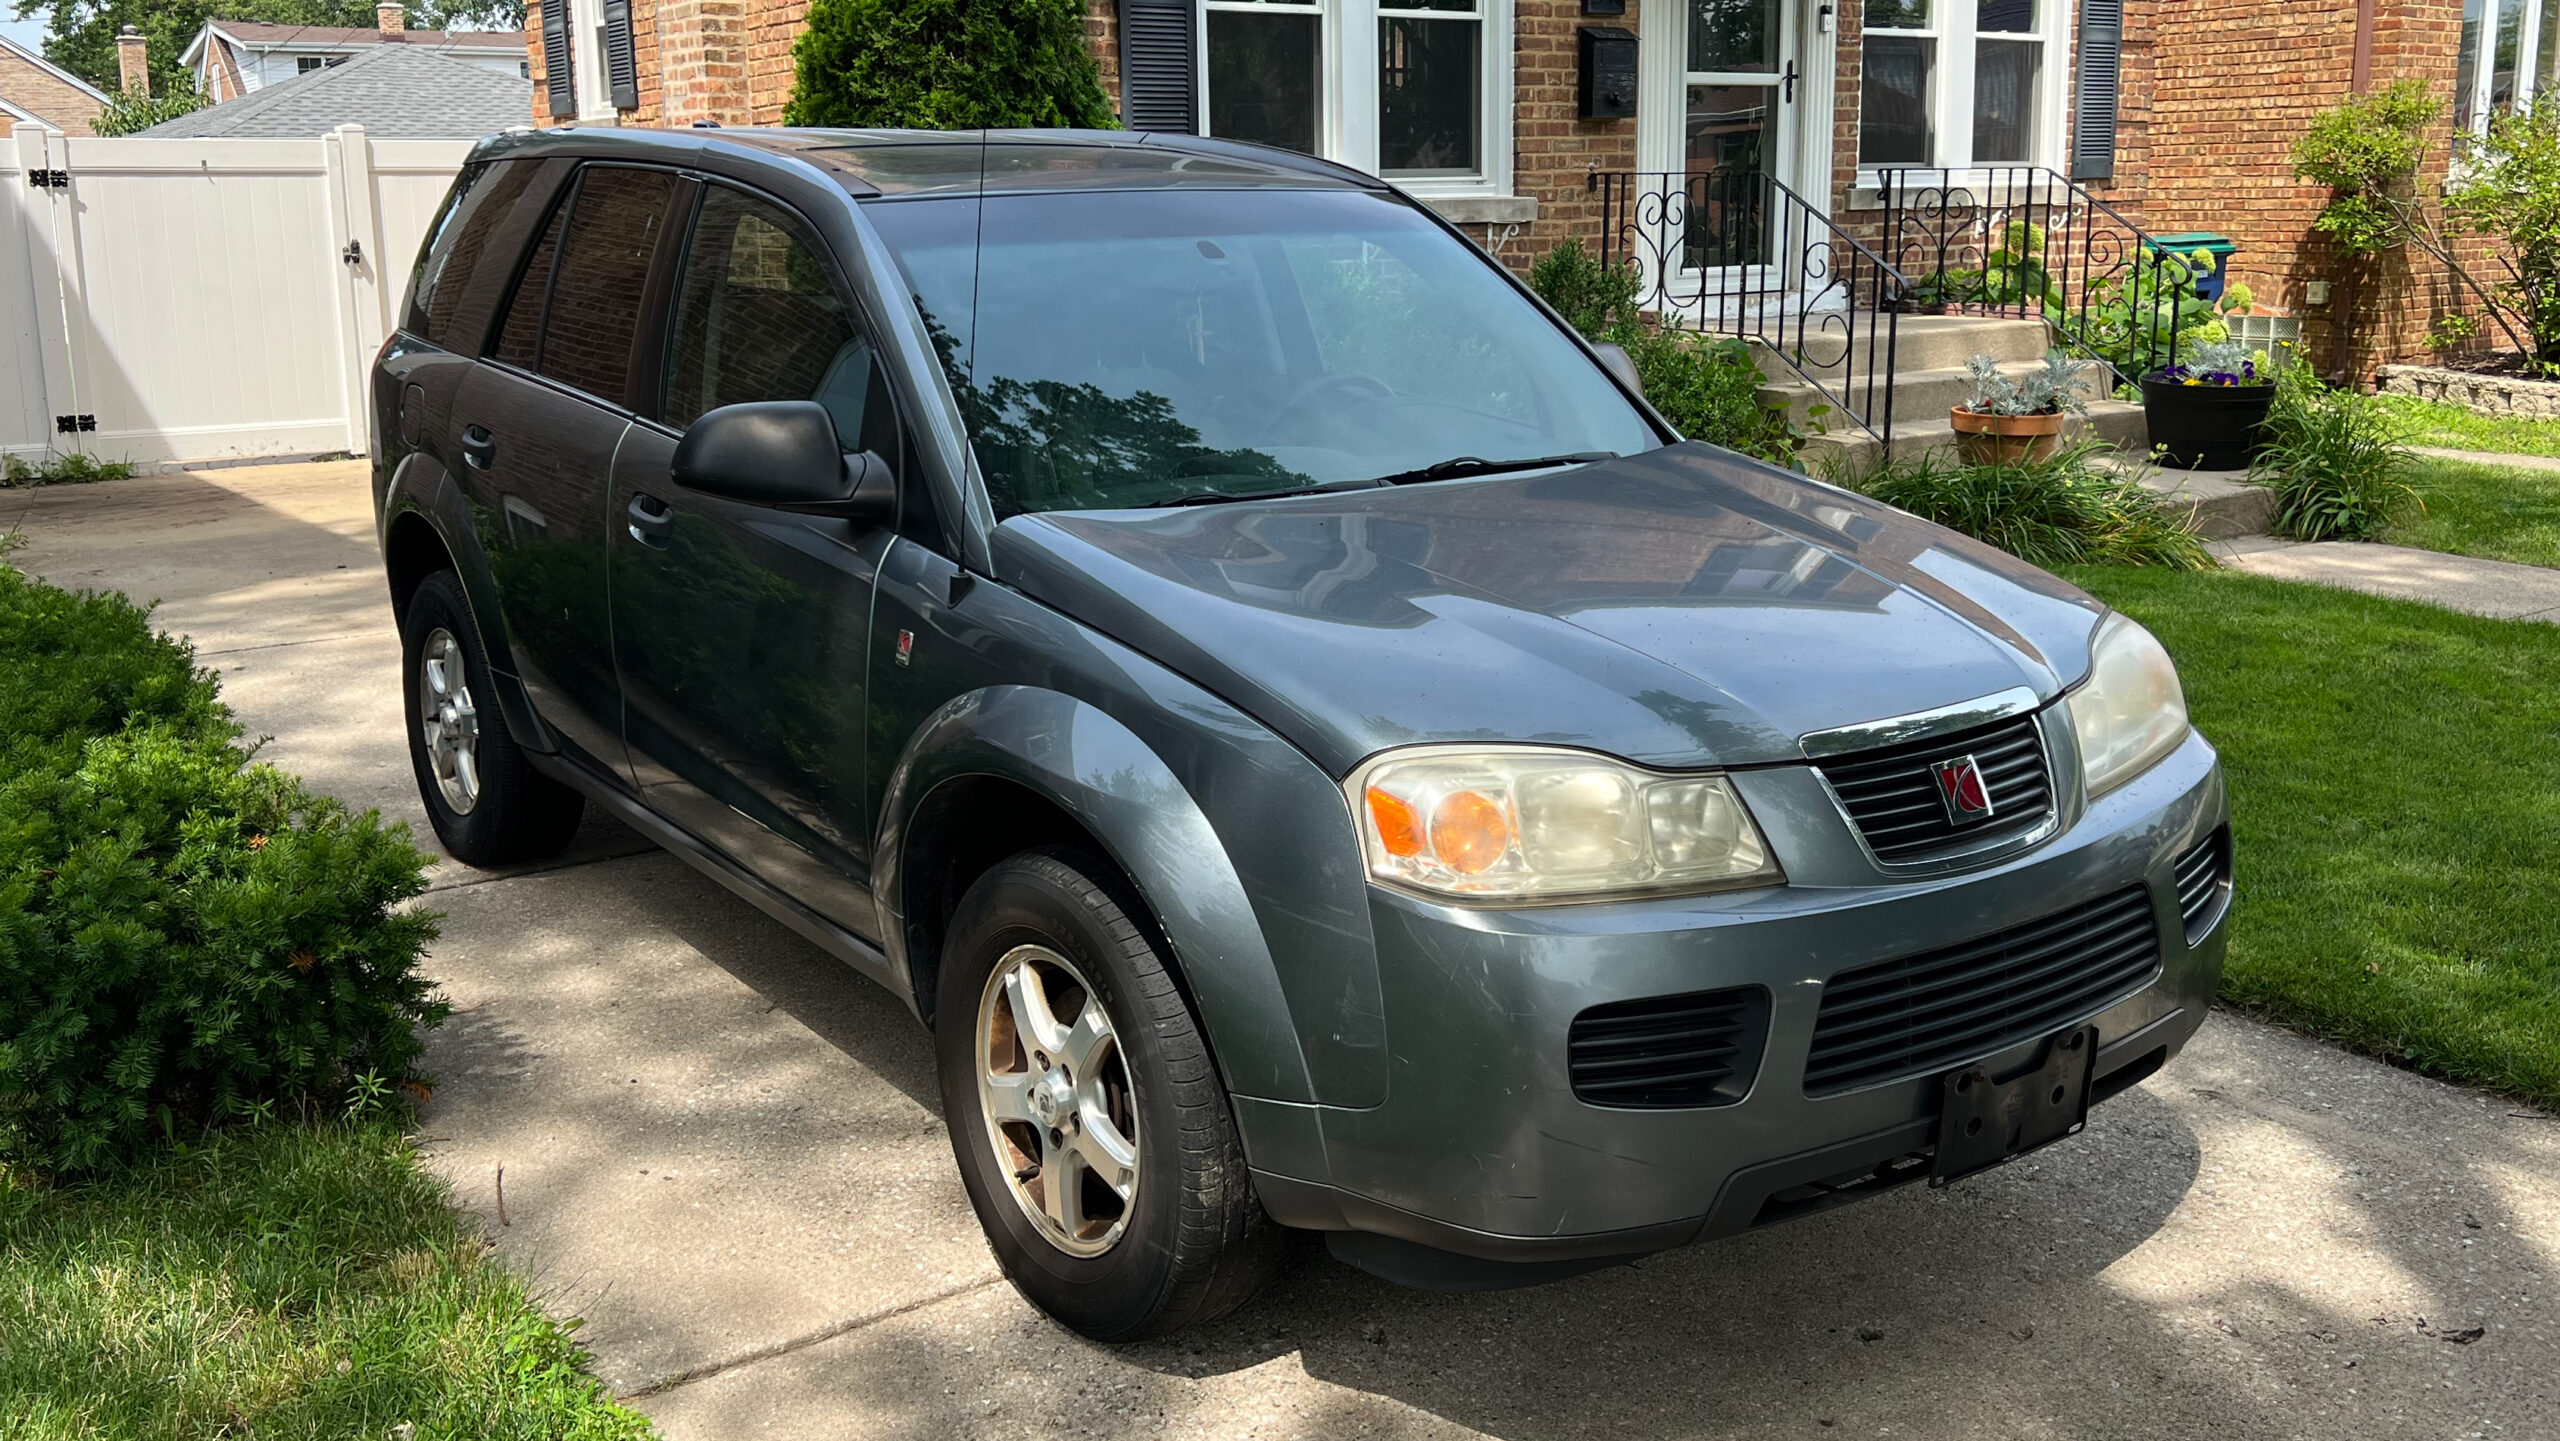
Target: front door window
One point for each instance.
(1738, 91)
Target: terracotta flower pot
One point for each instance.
(2005, 439)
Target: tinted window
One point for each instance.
(520, 335)
(481, 199)
(594, 312)
(1114, 349)
(759, 317)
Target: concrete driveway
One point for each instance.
(723, 1150)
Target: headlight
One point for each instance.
(2130, 711)
(1527, 824)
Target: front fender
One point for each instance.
(1122, 792)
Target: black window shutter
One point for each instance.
(1159, 73)
(555, 58)
(2093, 114)
(621, 66)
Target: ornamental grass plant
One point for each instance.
(2063, 510)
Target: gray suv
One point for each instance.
(1316, 748)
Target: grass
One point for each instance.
(2499, 512)
(278, 1281)
(2456, 428)
(2064, 510)
(59, 468)
(2394, 793)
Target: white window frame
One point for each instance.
(2484, 65)
(1347, 119)
(1951, 94)
(587, 73)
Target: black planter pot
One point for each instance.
(2204, 427)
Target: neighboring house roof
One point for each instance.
(259, 35)
(391, 90)
(33, 88)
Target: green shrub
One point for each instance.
(2065, 510)
(185, 938)
(2338, 460)
(947, 65)
(1707, 387)
(127, 114)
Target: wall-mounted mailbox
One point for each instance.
(1608, 90)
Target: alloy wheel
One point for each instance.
(448, 721)
(1053, 1087)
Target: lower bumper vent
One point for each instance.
(2204, 875)
(1700, 1049)
(1928, 1012)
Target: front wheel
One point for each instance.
(1091, 1130)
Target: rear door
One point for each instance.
(741, 631)
(537, 424)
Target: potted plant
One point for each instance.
(2208, 411)
(2007, 421)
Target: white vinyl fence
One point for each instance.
(190, 300)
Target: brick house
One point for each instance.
(1529, 121)
(34, 89)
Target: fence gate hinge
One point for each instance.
(73, 424)
(354, 253)
(49, 179)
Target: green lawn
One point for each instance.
(2455, 428)
(278, 1281)
(2395, 793)
(2503, 513)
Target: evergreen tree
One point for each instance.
(947, 65)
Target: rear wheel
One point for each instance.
(488, 805)
(1090, 1127)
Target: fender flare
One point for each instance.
(421, 486)
(1112, 783)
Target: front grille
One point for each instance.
(1892, 797)
(2201, 873)
(1701, 1049)
(1931, 1011)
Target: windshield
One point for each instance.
(1123, 349)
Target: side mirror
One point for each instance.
(1615, 360)
(784, 453)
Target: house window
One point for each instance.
(1960, 82)
(1266, 73)
(2507, 58)
(305, 64)
(1415, 90)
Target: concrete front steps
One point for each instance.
(1928, 356)
(2226, 505)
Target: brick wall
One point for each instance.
(31, 87)
(1553, 153)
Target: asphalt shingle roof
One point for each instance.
(391, 90)
(258, 32)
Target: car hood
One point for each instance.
(1686, 607)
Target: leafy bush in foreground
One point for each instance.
(2065, 510)
(185, 937)
(2337, 460)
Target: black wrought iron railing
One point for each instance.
(1733, 252)
(2024, 240)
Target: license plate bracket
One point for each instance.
(1985, 1121)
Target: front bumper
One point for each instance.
(1483, 1151)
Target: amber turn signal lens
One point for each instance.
(1470, 832)
(1399, 829)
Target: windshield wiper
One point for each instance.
(1214, 497)
(1458, 467)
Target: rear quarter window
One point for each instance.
(475, 210)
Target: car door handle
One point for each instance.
(650, 520)
(479, 447)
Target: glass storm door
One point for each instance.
(1738, 132)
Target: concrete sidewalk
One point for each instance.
(2497, 588)
(723, 1149)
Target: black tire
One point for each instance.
(517, 813)
(1195, 1242)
